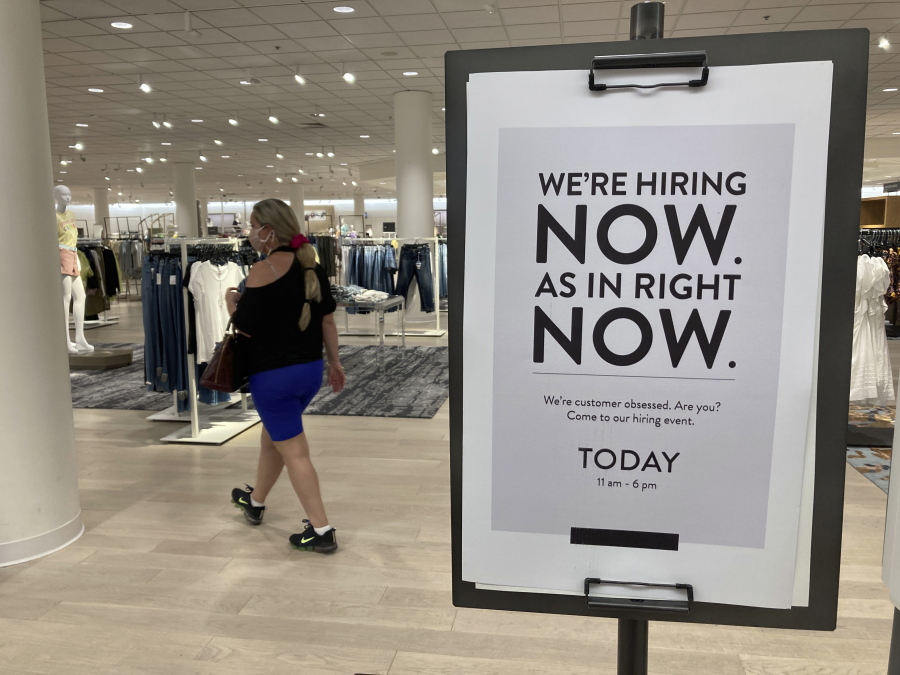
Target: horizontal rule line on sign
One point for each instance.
(645, 377)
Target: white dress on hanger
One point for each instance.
(871, 377)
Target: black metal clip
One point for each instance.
(668, 60)
(639, 603)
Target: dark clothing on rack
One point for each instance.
(415, 261)
(327, 251)
(112, 271)
(270, 315)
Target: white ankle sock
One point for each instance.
(255, 504)
(322, 530)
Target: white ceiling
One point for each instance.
(197, 76)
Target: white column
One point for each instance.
(297, 195)
(204, 216)
(415, 181)
(37, 453)
(101, 210)
(185, 199)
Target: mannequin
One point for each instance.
(73, 288)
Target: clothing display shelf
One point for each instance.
(878, 212)
(103, 318)
(433, 241)
(217, 424)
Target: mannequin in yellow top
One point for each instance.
(73, 288)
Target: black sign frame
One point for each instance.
(848, 51)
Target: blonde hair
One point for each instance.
(283, 221)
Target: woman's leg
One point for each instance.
(269, 468)
(295, 453)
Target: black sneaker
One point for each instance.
(308, 540)
(241, 500)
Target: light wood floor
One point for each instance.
(170, 579)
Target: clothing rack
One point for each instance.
(433, 241)
(220, 423)
(103, 319)
(127, 236)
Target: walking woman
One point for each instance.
(286, 310)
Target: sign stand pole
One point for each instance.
(647, 21)
(894, 659)
(633, 646)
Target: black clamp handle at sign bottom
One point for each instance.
(665, 60)
(640, 604)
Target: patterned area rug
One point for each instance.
(873, 463)
(381, 382)
(871, 426)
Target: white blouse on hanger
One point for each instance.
(871, 378)
(208, 285)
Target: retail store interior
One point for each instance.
(169, 120)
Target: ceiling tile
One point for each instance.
(282, 13)
(434, 50)
(72, 28)
(224, 18)
(543, 14)
(341, 55)
(307, 29)
(156, 39)
(427, 37)
(416, 22)
(172, 22)
(697, 6)
(472, 19)
(828, 12)
(325, 10)
(879, 10)
(230, 49)
(391, 7)
(595, 11)
(62, 45)
(198, 5)
(254, 33)
(57, 60)
(589, 28)
(376, 40)
(458, 5)
(82, 9)
(92, 57)
(540, 30)
(707, 20)
(479, 34)
(535, 41)
(360, 26)
(395, 53)
(182, 52)
(325, 43)
(104, 42)
(145, 6)
(49, 14)
(813, 25)
(758, 16)
(281, 50)
(257, 61)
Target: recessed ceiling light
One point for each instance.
(226, 156)
(217, 142)
(310, 154)
(330, 153)
(64, 172)
(124, 25)
(139, 170)
(119, 193)
(81, 125)
(435, 151)
(300, 79)
(279, 179)
(349, 78)
(891, 89)
(199, 168)
(273, 119)
(95, 90)
(163, 159)
(203, 158)
(294, 179)
(411, 73)
(130, 170)
(233, 121)
(344, 10)
(146, 88)
(343, 163)
(896, 133)
(884, 43)
(77, 146)
(198, 121)
(270, 166)
(320, 154)
(364, 136)
(149, 160)
(443, 109)
(165, 143)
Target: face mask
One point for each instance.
(257, 243)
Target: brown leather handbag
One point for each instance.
(224, 371)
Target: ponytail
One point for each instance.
(306, 254)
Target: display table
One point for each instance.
(377, 308)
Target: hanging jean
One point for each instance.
(442, 265)
(415, 261)
(152, 340)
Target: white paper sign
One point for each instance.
(641, 276)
